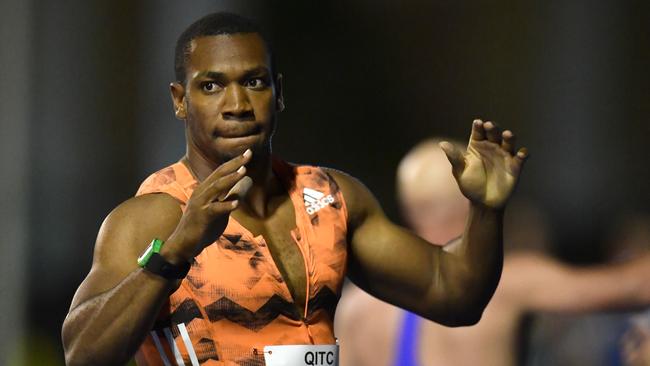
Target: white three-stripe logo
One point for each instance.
(311, 195)
(315, 200)
(172, 345)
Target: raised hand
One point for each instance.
(488, 171)
(208, 210)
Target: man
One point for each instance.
(374, 333)
(235, 267)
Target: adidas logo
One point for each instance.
(315, 200)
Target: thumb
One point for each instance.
(455, 156)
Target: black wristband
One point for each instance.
(159, 266)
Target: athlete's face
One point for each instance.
(229, 99)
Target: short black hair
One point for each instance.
(213, 25)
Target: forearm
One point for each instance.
(470, 268)
(639, 273)
(108, 329)
(623, 286)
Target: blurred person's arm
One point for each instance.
(539, 283)
(451, 287)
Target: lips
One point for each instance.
(238, 131)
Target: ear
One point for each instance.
(178, 98)
(279, 97)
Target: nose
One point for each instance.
(236, 104)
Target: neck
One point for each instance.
(259, 169)
(265, 186)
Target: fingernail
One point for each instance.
(241, 169)
(248, 153)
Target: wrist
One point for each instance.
(153, 261)
(171, 253)
(482, 207)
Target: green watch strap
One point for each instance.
(154, 247)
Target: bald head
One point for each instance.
(428, 194)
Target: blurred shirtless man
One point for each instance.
(373, 333)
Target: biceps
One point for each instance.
(100, 279)
(115, 257)
(385, 257)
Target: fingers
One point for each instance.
(522, 155)
(489, 131)
(230, 200)
(239, 190)
(213, 184)
(485, 130)
(455, 155)
(478, 132)
(508, 142)
(218, 189)
(492, 132)
(222, 208)
(519, 159)
(228, 167)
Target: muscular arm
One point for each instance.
(118, 302)
(540, 283)
(451, 287)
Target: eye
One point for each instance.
(209, 86)
(256, 83)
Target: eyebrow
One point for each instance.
(217, 75)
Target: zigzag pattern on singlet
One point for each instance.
(206, 350)
(224, 308)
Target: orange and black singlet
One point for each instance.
(234, 300)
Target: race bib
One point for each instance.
(302, 355)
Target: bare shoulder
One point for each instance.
(136, 221)
(349, 185)
(123, 236)
(358, 198)
(155, 208)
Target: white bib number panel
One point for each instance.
(302, 355)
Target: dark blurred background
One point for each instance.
(86, 115)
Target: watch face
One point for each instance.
(144, 258)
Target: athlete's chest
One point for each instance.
(291, 263)
(279, 233)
